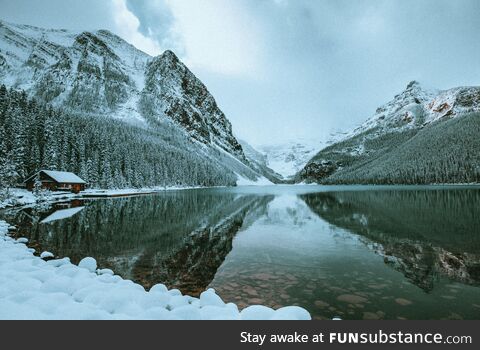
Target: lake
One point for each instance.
(358, 252)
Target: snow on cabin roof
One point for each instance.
(64, 177)
(61, 177)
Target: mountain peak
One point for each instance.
(415, 92)
(169, 53)
(166, 62)
(186, 100)
(107, 33)
(413, 84)
(168, 56)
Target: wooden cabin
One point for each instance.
(56, 181)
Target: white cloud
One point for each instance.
(128, 26)
(221, 36)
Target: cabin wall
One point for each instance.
(53, 186)
(50, 186)
(76, 188)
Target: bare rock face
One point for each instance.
(172, 91)
(454, 102)
(319, 169)
(469, 98)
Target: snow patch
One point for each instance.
(261, 181)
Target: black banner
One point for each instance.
(243, 335)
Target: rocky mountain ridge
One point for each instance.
(418, 107)
(98, 73)
(406, 141)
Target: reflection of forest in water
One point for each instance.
(177, 238)
(421, 233)
(182, 238)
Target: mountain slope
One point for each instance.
(259, 162)
(172, 91)
(99, 74)
(419, 137)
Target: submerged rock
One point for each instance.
(352, 299)
(403, 302)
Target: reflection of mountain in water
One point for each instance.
(192, 265)
(177, 238)
(421, 233)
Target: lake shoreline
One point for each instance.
(22, 198)
(60, 290)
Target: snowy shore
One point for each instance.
(21, 197)
(34, 289)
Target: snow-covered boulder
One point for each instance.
(210, 298)
(105, 272)
(291, 313)
(46, 255)
(174, 292)
(257, 313)
(89, 264)
(59, 262)
(158, 289)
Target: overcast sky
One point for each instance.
(286, 69)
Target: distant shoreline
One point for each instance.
(24, 198)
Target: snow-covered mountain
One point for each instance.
(287, 159)
(421, 136)
(98, 73)
(418, 107)
(89, 72)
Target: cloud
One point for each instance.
(156, 23)
(219, 36)
(128, 27)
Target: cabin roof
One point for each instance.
(60, 177)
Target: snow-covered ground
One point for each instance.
(262, 181)
(31, 288)
(21, 197)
